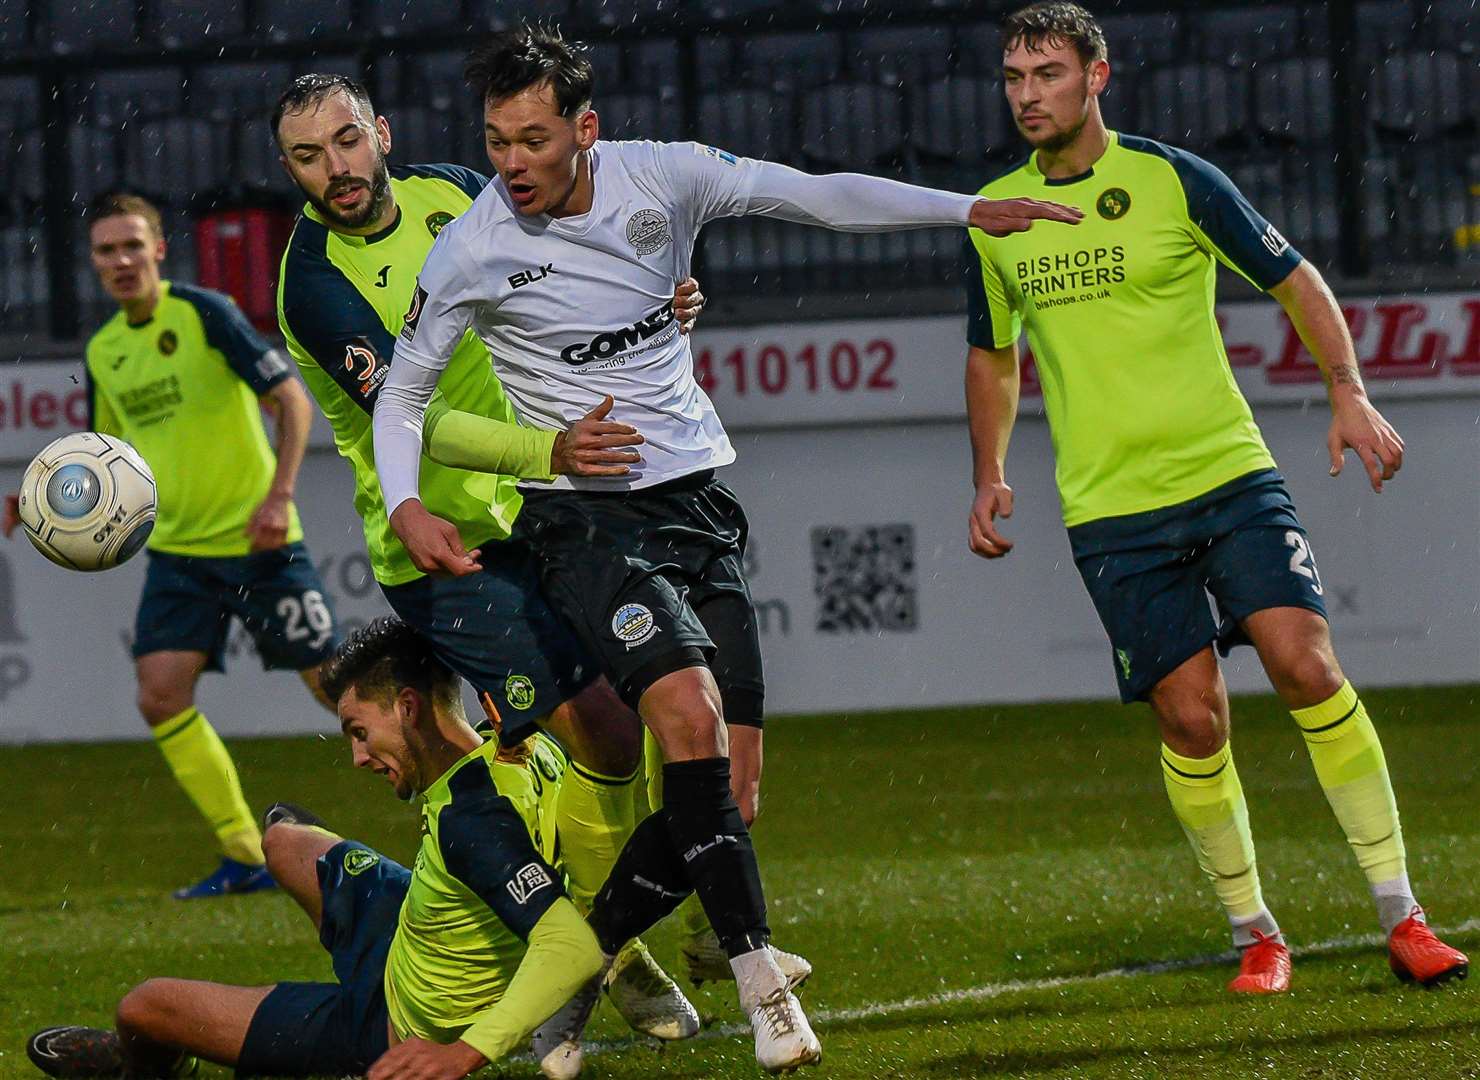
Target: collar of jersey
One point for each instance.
(439, 786)
(164, 291)
(1065, 181)
(349, 238)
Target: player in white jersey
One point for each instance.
(565, 266)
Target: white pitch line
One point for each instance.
(987, 992)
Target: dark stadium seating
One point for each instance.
(913, 91)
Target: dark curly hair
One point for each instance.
(380, 659)
(526, 56)
(1055, 22)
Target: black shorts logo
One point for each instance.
(436, 221)
(519, 690)
(1113, 203)
(633, 625)
(647, 231)
(168, 342)
(413, 314)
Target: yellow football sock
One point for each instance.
(594, 816)
(202, 766)
(1209, 802)
(1350, 765)
(650, 797)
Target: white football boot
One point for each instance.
(705, 961)
(557, 1042)
(784, 1041)
(647, 998)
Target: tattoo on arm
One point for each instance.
(1344, 375)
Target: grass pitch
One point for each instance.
(989, 891)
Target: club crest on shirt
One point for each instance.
(436, 220)
(647, 231)
(519, 689)
(168, 342)
(358, 860)
(633, 625)
(413, 314)
(1113, 203)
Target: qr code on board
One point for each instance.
(864, 578)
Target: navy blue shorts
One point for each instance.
(1151, 575)
(338, 1028)
(495, 629)
(189, 601)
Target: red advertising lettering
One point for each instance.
(1467, 360)
(1391, 360)
(1295, 364)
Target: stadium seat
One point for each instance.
(894, 55)
(183, 22)
(623, 13)
(961, 119)
(12, 23)
(654, 115)
(749, 122)
(1196, 105)
(116, 98)
(255, 166)
(182, 160)
(853, 125)
(245, 93)
(388, 17)
(420, 135)
(74, 28)
(94, 154)
(798, 59)
(1292, 99)
(293, 20)
(23, 282)
(1426, 94)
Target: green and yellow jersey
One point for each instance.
(1142, 404)
(182, 387)
(341, 301)
(482, 881)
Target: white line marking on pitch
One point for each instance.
(824, 1017)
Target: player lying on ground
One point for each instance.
(441, 968)
(563, 266)
(347, 279)
(181, 375)
(1168, 490)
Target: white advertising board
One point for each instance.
(868, 597)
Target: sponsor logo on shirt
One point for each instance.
(633, 625)
(358, 860)
(1276, 243)
(168, 342)
(529, 277)
(527, 881)
(606, 345)
(647, 231)
(1113, 203)
(413, 315)
(436, 221)
(519, 689)
(363, 364)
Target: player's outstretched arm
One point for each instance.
(1355, 422)
(592, 446)
(992, 384)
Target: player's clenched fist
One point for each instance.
(596, 446)
(688, 301)
(992, 501)
(1002, 217)
(433, 544)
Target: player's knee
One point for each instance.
(145, 1009)
(610, 731)
(1192, 725)
(159, 701)
(1307, 678)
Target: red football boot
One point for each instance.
(1264, 968)
(1416, 955)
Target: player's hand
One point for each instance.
(433, 544)
(420, 1059)
(688, 301)
(268, 526)
(992, 501)
(1356, 425)
(596, 446)
(10, 517)
(1002, 217)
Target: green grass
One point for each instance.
(907, 855)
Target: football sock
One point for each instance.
(198, 758)
(648, 881)
(692, 918)
(711, 838)
(594, 817)
(1209, 802)
(1350, 765)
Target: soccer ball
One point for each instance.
(87, 501)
